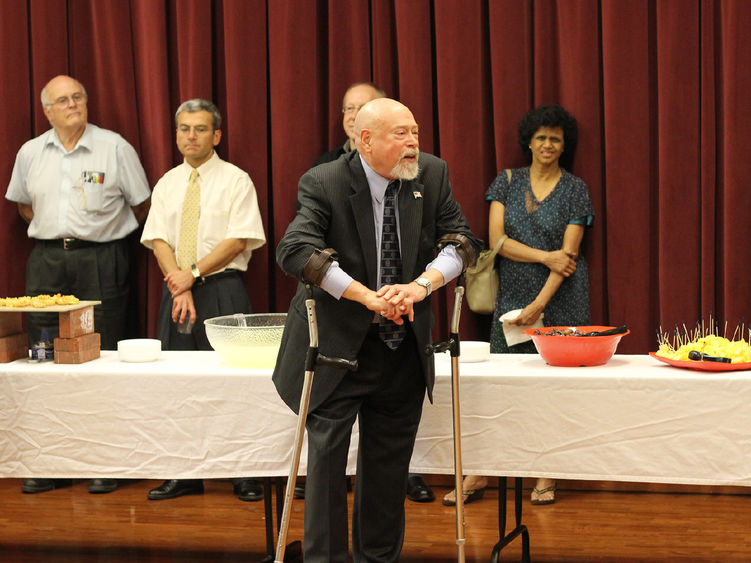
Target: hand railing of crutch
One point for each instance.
(312, 359)
(452, 345)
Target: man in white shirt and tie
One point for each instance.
(203, 225)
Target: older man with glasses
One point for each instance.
(82, 190)
(356, 96)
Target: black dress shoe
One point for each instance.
(31, 486)
(418, 490)
(174, 488)
(100, 486)
(249, 490)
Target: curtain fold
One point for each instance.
(242, 95)
(629, 203)
(18, 126)
(349, 54)
(733, 198)
(658, 88)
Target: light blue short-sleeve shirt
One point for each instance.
(86, 193)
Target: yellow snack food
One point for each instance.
(712, 345)
(39, 301)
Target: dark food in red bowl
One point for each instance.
(575, 346)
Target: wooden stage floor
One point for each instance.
(70, 525)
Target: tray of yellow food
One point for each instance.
(722, 354)
(43, 303)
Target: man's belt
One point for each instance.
(214, 277)
(69, 243)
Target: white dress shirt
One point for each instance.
(229, 209)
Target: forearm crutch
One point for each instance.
(312, 359)
(452, 345)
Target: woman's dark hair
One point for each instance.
(550, 116)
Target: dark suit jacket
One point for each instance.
(335, 211)
(330, 156)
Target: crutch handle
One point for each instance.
(438, 347)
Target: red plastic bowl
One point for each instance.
(574, 351)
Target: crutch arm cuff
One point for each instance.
(464, 247)
(318, 264)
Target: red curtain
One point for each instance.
(658, 89)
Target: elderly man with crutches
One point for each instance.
(383, 209)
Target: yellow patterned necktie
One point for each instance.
(186, 249)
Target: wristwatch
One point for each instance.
(196, 273)
(425, 282)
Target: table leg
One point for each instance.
(270, 543)
(519, 529)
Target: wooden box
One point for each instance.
(78, 322)
(14, 347)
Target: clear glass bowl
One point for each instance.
(250, 341)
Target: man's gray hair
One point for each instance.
(45, 97)
(199, 104)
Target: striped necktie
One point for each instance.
(186, 249)
(391, 265)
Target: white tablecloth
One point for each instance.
(191, 415)
(633, 419)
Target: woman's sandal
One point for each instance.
(537, 494)
(469, 496)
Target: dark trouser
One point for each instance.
(386, 393)
(96, 272)
(221, 294)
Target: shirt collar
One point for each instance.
(377, 183)
(206, 167)
(85, 142)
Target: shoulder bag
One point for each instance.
(481, 280)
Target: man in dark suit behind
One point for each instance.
(334, 242)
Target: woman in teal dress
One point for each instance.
(543, 211)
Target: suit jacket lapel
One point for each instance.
(410, 225)
(362, 209)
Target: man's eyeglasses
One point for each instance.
(350, 109)
(63, 101)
